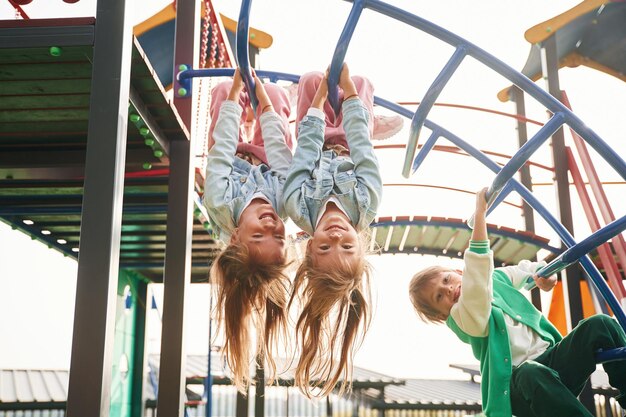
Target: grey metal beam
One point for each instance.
(27, 408)
(176, 279)
(561, 180)
(65, 158)
(381, 398)
(186, 51)
(329, 407)
(357, 400)
(573, 274)
(137, 403)
(75, 200)
(259, 383)
(144, 113)
(37, 36)
(177, 275)
(89, 391)
(39, 173)
(241, 405)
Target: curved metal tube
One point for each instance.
(428, 146)
(243, 53)
(519, 159)
(522, 155)
(427, 104)
(228, 72)
(339, 55)
(583, 247)
(515, 77)
(501, 197)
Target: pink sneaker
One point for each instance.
(292, 93)
(386, 126)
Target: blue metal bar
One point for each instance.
(519, 159)
(427, 103)
(228, 72)
(428, 145)
(243, 57)
(517, 78)
(402, 111)
(522, 155)
(339, 55)
(583, 247)
(500, 198)
(603, 356)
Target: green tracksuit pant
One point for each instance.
(548, 386)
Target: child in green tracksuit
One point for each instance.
(527, 368)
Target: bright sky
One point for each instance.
(402, 63)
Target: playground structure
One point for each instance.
(124, 202)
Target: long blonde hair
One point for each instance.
(334, 317)
(249, 294)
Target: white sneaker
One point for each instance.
(386, 126)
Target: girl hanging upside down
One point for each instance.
(243, 197)
(332, 192)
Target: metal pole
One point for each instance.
(139, 348)
(573, 274)
(241, 406)
(89, 389)
(176, 279)
(259, 393)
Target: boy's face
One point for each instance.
(444, 291)
(262, 231)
